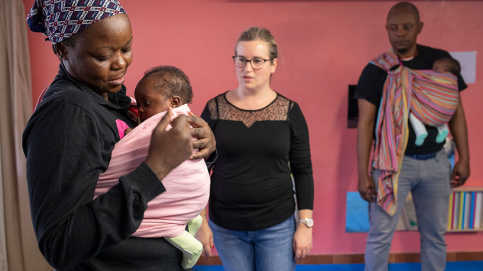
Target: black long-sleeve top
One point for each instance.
(67, 142)
(251, 183)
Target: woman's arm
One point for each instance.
(205, 235)
(301, 166)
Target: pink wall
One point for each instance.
(323, 47)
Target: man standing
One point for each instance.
(399, 164)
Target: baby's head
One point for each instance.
(160, 88)
(447, 64)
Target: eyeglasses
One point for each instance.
(256, 62)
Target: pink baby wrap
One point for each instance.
(187, 186)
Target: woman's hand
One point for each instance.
(302, 241)
(205, 142)
(205, 236)
(170, 148)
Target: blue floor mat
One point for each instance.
(450, 266)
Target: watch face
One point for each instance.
(310, 222)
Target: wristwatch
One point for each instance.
(309, 222)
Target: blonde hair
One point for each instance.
(256, 33)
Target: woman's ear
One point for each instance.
(273, 67)
(60, 50)
(175, 101)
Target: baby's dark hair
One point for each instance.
(451, 65)
(172, 81)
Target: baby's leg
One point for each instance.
(190, 247)
(194, 224)
(419, 129)
(442, 133)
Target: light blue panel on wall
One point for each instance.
(357, 213)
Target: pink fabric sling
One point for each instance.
(187, 186)
(431, 96)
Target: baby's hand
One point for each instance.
(132, 113)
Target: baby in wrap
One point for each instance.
(187, 186)
(442, 65)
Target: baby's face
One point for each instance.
(440, 66)
(150, 101)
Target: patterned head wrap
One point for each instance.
(60, 19)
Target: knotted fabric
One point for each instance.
(60, 19)
(431, 96)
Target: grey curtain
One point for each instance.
(22, 252)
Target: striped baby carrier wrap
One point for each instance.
(431, 96)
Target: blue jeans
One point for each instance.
(262, 250)
(429, 182)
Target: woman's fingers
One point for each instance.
(169, 148)
(204, 139)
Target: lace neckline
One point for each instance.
(250, 110)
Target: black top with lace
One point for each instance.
(258, 150)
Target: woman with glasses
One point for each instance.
(262, 141)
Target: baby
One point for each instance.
(187, 186)
(447, 64)
(442, 65)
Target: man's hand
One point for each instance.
(461, 172)
(205, 142)
(367, 188)
(169, 148)
(457, 125)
